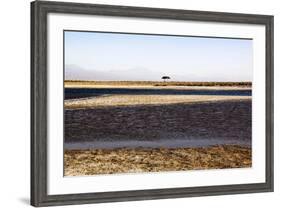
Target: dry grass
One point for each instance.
(91, 162)
(132, 100)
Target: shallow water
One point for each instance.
(74, 93)
(160, 143)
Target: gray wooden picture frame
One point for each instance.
(39, 12)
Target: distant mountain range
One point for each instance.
(73, 72)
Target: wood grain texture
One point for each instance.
(39, 11)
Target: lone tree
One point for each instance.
(165, 77)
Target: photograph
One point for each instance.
(139, 103)
(134, 103)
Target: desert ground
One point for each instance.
(121, 127)
(133, 160)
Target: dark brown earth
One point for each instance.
(226, 120)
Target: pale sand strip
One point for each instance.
(131, 100)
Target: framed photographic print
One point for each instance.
(132, 103)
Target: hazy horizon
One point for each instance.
(130, 57)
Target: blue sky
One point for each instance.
(113, 56)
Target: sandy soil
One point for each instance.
(90, 162)
(130, 100)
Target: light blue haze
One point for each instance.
(112, 56)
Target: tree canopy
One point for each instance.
(165, 77)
